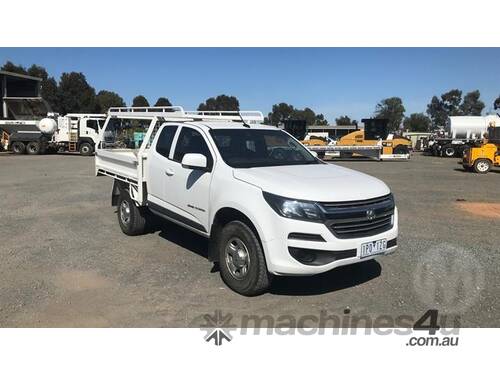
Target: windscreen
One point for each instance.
(247, 148)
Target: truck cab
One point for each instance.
(267, 204)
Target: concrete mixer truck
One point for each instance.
(460, 133)
(75, 132)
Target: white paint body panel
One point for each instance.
(199, 199)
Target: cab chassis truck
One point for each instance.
(267, 205)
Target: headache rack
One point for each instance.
(124, 161)
(177, 113)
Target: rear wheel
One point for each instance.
(18, 148)
(33, 148)
(241, 260)
(132, 219)
(86, 149)
(448, 151)
(482, 166)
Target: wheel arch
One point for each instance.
(222, 217)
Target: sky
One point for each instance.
(332, 81)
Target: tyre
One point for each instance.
(482, 166)
(401, 150)
(132, 219)
(241, 260)
(448, 151)
(33, 148)
(18, 148)
(86, 149)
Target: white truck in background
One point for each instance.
(74, 132)
(459, 133)
(267, 204)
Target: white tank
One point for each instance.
(47, 126)
(472, 127)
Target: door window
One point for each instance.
(190, 141)
(165, 139)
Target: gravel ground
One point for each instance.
(65, 263)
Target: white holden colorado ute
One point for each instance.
(266, 203)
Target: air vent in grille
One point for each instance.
(356, 219)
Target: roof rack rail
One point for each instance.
(178, 113)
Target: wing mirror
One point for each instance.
(194, 161)
(314, 153)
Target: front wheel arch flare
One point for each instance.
(222, 217)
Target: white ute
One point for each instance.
(266, 203)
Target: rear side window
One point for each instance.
(191, 141)
(165, 139)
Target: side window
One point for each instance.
(191, 141)
(92, 124)
(165, 139)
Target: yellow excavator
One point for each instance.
(376, 133)
(481, 157)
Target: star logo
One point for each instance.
(218, 327)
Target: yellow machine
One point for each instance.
(481, 158)
(316, 141)
(376, 133)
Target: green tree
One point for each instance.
(163, 102)
(306, 114)
(75, 94)
(437, 113)
(451, 102)
(344, 120)
(393, 110)
(279, 113)
(417, 122)
(496, 104)
(9, 66)
(220, 103)
(320, 120)
(471, 105)
(107, 99)
(140, 101)
(49, 89)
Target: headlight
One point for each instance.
(293, 208)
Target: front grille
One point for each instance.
(356, 219)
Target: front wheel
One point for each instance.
(241, 260)
(482, 166)
(86, 149)
(132, 219)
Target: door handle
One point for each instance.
(169, 172)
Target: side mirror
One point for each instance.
(194, 161)
(314, 153)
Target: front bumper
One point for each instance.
(281, 262)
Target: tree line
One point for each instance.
(72, 93)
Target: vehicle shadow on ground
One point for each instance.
(182, 237)
(331, 281)
(337, 279)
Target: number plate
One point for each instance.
(373, 248)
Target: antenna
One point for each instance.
(243, 121)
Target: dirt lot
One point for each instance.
(65, 263)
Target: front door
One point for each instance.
(188, 190)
